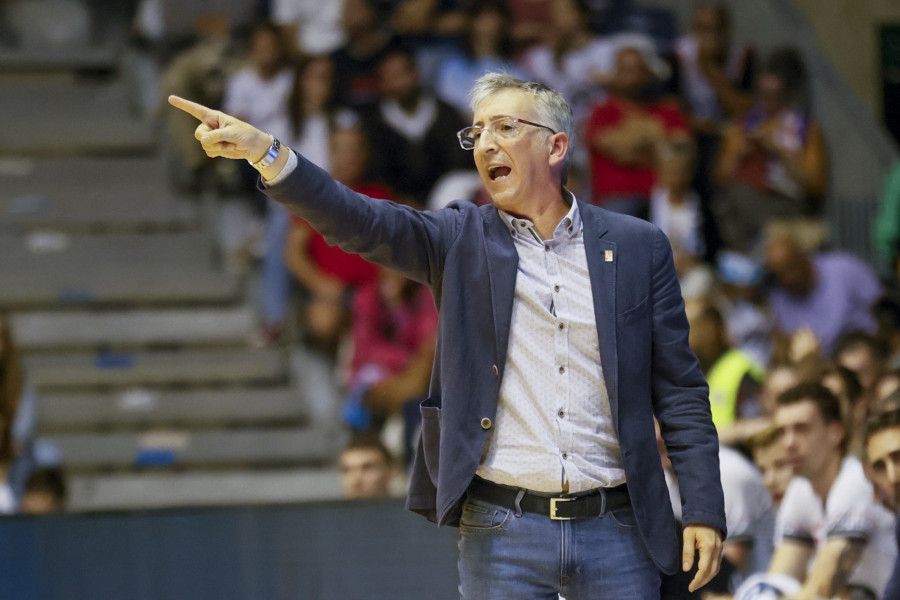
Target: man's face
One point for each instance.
(365, 473)
(860, 359)
(791, 267)
(808, 440)
(883, 453)
(511, 169)
(398, 78)
(632, 74)
(39, 503)
(710, 29)
(776, 472)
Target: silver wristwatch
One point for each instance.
(266, 161)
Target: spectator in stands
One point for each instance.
(628, 130)
(45, 493)
(843, 383)
(887, 384)
(369, 40)
(743, 304)
(529, 22)
(675, 208)
(486, 46)
(830, 293)
(20, 453)
(329, 275)
(258, 93)
(772, 163)
(863, 354)
(312, 27)
(883, 461)
(714, 77)
(412, 133)
(749, 516)
(573, 60)
(831, 535)
(428, 19)
(393, 333)
(313, 116)
(367, 467)
(770, 458)
(199, 71)
(734, 377)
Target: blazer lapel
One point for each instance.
(502, 262)
(602, 261)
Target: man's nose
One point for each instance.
(486, 141)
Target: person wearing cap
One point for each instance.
(628, 132)
(561, 335)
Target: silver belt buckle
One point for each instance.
(553, 509)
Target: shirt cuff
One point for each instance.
(288, 168)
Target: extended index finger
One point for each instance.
(192, 108)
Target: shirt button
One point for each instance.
(562, 326)
(496, 370)
(565, 455)
(555, 288)
(562, 369)
(561, 414)
(486, 423)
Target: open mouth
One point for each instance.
(499, 172)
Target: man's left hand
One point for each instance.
(708, 541)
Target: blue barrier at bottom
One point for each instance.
(337, 551)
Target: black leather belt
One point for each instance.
(559, 507)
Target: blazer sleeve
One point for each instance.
(681, 398)
(402, 238)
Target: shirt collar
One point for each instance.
(569, 227)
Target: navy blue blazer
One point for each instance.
(466, 255)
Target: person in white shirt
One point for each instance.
(749, 512)
(831, 535)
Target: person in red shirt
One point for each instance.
(628, 130)
(330, 275)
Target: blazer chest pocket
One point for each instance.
(431, 435)
(634, 313)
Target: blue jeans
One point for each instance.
(275, 274)
(531, 557)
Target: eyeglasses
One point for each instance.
(504, 128)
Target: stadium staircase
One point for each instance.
(133, 330)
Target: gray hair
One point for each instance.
(551, 107)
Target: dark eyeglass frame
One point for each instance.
(463, 137)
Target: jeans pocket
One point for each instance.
(624, 517)
(480, 516)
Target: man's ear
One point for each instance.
(559, 148)
(836, 433)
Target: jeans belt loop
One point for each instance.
(519, 497)
(602, 501)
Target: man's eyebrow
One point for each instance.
(494, 118)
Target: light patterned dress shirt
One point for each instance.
(553, 430)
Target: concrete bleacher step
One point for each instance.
(142, 408)
(121, 369)
(97, 57)
(65, 115)
(52, 268)
(182, 448)
(40, 330)
(91, 194)
(132, 491)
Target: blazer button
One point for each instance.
(496, 370)
(486, 423)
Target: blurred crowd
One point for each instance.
(692, 130)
